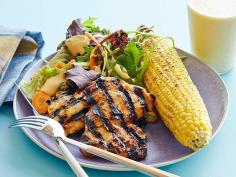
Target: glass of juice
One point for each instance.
(212, 25)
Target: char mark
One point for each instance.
(74, 102)
(97, 111)
(76, 135)
(127, 99)
(92, 128)
(101, 85)
(139, 93)
(56, 113)
(78, 115)
(61, 119)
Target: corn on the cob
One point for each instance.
(177, 98)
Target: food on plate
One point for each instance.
(177, 98)
(37, 80)
(52, 84)
(76, 44)
(95, 86)
(108, 111)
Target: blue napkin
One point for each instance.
(19, 50)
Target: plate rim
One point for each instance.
(108, 168)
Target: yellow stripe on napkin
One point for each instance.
(8, 46)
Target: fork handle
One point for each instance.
(75, 166)
(121, 160)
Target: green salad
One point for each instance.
(111, 54)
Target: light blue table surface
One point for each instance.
(20, 157)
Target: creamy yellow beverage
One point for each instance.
(213, 32)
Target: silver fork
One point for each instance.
(70, 159)
(54, 129)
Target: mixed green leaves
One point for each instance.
(78, 28)
(135, 61)
(86, 56)
(90, 26)
(130, 58)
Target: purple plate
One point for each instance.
(162, 147)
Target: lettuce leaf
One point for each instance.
(48, 71)
(141, 69)
(37, 80)
(86, 56)
(89, 26)
(135, 61)
(130, 59)
(30, 88)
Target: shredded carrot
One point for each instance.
(93, 61)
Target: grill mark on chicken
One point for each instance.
(128, 100)
(59, 96)
(92, 128)
(137, 137)
(141, 98)
(56, 113)
(64, 109)
(61, 119)
(59, 115)
(115, 111)
(120, 115)
(76, 134)
(101, 85)
(74, 102)
(78, 115)
(97, 111)
(54, 98)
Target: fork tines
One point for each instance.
(30, 122)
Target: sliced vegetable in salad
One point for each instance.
(38, 79)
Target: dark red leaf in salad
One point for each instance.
(74, 29)
(118, 39)
(80, 76)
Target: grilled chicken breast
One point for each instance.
(108, 111)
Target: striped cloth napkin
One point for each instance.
(19, 49)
